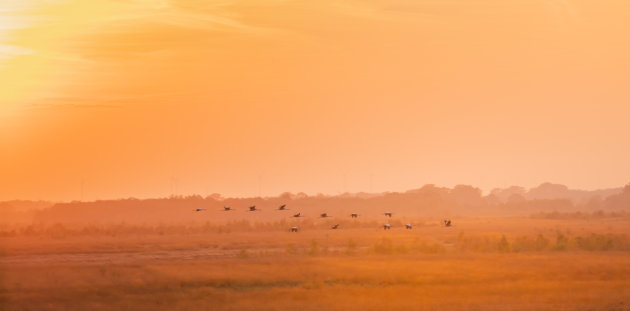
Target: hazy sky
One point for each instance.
(146, 98)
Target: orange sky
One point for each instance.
(145, 98)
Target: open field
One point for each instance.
(572, 263)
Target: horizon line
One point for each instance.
(318, 194)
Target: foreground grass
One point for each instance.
(472, 281)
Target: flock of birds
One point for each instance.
(387, 226)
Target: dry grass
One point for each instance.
(479, 264)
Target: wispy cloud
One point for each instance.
(75, 105)
(16, 15)
(565, 11)
(215, 16)
(81, 21)
(75, 102)
(8, 51)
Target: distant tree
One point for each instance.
(595, 202)
(467, 195)
(549, 191)
(516, 198)
(286, 196)
(503, 194)
(619, 201)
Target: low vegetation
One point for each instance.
(527, 263)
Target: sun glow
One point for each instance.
(410, 92)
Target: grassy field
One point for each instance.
(571, 263)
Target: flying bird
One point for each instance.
(282, 207)
(388, 214)
(297, 215)
(253, 208)
(199, 209)
(334, 226)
